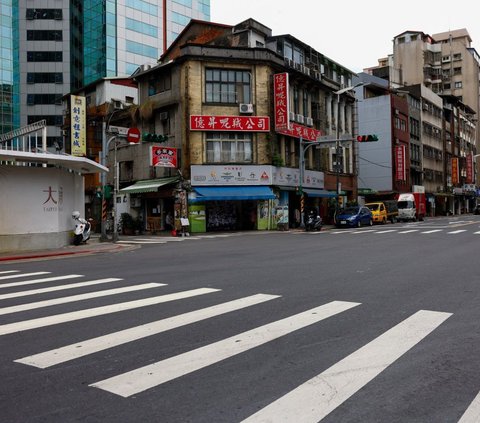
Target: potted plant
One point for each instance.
(128, 224)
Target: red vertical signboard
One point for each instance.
(281, 101)
(454, 170)
(400, 173)
(469, 179)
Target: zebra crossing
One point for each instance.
(310, 401)
(398, 230)
(166, 239)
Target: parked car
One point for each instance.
(354, 216)
(384, 211)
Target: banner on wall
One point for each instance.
(400, 171)
(469, 179)
(454, 171)
(281, 101)
(230, 123)
(78, 126)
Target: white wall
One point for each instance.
(36, 206)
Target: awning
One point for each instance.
(148, 185)
(319, 193)
(233, 193)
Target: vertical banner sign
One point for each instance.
(281, 101)
(454, 171)
(78, 125)
(164, 156)
(469, 179)
(400, 173)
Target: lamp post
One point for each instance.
(337, 143)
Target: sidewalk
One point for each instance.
(93, 246)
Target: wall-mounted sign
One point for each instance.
(469, 178)
(164, 156)
(230, 123)
(297, 131)
(454, 171)
(78, 126)
(400, 171)
(281, 101)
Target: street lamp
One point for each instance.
(337, 143)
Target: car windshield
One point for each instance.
(350, 210)
(405, 204)
(373, 207)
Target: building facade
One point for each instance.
(242, 110)
(49, 50)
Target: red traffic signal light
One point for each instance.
(367, 138)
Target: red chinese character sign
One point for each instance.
(455, 178)
(297, 131)
(469, 178)
(164, 156)
(281, 101)
(230, 123)
(400, 171)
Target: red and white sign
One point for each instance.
(230, 123)
(164, 156)
(297, 131)
(400, 171)
(469, 178)
(455, 178)
(133, 135)
(281, 101)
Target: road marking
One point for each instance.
(457, 232)
(79, 297)
(342, 232)
(8, 271)
(21, 275)
(472, 414)
(476, 233)
(155, 374)
(316, 398)
(409, 231)
(365, 231)
(43, 280)
(101, 343)
(387, 231)
(141, 242)
(56, 288)
(99, 311)
(431, 232)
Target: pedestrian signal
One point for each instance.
(367, 138)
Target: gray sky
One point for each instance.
(353, 33)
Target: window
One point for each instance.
(143, 6)
(229, 147)
(44, 56)
(305, 103)
(141, 27)
(227, 86)
(141, 49)
(458, 84)
(159, 84)
(457, 71)
(51, 120)
(457, 56)
(44, 14)
(44, 35)
(44, 99)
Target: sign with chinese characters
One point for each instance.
(230, 123)
(400, 172)
(469, 178)
(231, 175)
(297, 131)
(454, 171)
(281, 101)
(78, 126)
(164, 156)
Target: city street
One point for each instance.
(372, 324)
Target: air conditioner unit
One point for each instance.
(298, 66)
(300, 119)
(292, 116)
(309, 121)
(245, 108)
(117, 105)
(163, 116)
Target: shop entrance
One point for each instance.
(231, 215)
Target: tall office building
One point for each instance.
(47, 52)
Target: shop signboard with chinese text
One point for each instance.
(454, 171)
(469, 178)
(400, 172)
(78, 126)
(163, 156)
(281, 101)
(230, 123)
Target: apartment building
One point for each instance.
(50, 49)
(237, 106)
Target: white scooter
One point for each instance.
(81, 232)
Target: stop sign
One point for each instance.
(133, 135)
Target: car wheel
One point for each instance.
(384, 222)
(371, 222)
(359, 224)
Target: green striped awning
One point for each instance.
(148, 185)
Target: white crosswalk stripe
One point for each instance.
(99, 311)
(432, 231)
(79, 297)
(457, 232)
(147, 377)
(408, 231)
(3, 272)
(42, 280)
(90, 346)
(472, 414)
(22, 275)
(313, 400)
(56, 288)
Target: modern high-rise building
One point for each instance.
(47, 52)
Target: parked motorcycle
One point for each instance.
(313, 223)
(81, 232)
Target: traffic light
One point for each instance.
(367, 138)
(149, 137)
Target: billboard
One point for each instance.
(78, 126)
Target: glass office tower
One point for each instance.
(49, 49)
